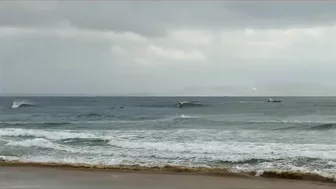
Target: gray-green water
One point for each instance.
(245, 134)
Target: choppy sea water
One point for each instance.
(243, 134)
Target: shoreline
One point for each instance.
(16, 177)
(173, 170)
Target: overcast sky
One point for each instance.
(168, 48)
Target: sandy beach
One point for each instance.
(60, 178)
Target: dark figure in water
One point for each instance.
(121, 107)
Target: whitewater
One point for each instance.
(297, 135)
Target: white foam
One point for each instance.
(108, 161)
(283, 167)
(44, 143)
(187, 117)
(36, 142)
(259, 173)
(200, 141)
(189, 147)
(230, 151)
(49, 134)
(19, 103)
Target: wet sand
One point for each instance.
(59, 178)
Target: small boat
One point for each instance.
(274, 100)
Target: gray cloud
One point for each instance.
(288, 13)
(49, 65)
(24, 14)
(155, 18)
(177, 48)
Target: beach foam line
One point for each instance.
(177, 169)
(295, 176)
(127, 168)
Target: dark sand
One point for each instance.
(60, 178)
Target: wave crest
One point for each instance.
(24, 123)
(326, 126)
(48, 134)
(185, 104)
(36, 142)
(22, 104)
(173, 104)
(187, 117)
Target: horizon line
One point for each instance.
(131, 95)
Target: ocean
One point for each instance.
(240, 134)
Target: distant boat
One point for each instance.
(274, 100)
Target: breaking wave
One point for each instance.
(22, 104)
(47, 134)
(187, 117)
(36, 142)
(189, 104)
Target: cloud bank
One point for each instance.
(167, 48)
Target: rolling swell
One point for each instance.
(86, 141)
(37, 124)
(326, 126)
(317, 127)
(114, 118)
(94, 115)
(94, 119)
(181, 104)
